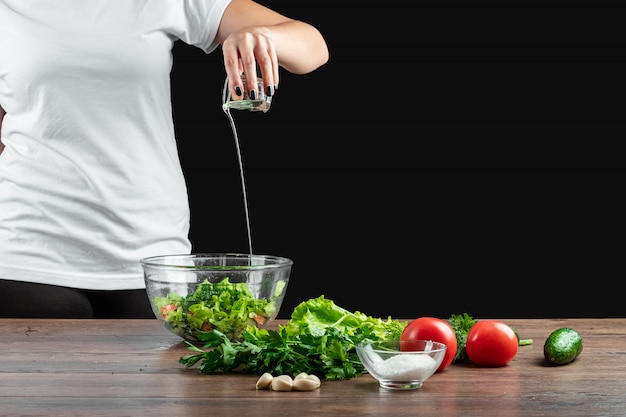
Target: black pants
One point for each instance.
(27, 300)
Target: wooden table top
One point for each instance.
(130, 368)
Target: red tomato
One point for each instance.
(432, 328)
(166, 309)
(491, 343)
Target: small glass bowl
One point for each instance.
(401, 365)
(262, 101)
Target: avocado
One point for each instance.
(562, 346)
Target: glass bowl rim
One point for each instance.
(377, 346)
(172, 261)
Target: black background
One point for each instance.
(450, 157)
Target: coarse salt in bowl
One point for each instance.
(401, 364)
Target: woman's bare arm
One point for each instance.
(252, 34)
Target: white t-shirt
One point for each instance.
(90, 179)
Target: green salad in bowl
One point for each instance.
(225, 306)
(223, 292)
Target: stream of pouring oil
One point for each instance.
(243, 181)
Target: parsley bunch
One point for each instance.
(461, 323)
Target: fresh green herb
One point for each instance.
(319, 339)
(521, 342)
(461, 323)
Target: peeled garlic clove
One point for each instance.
(264, 381)
(314, 378)
(282, 383)
(301, 375)
(305, 384)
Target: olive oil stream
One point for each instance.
(262, 104)
(241, 174)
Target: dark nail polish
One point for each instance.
(238, 91)
(252, 94)
(269, 91)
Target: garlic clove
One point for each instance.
(282, 383)
(314, 378)
(301, 375)
(305, 384)
(264, 381)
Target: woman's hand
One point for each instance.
(243, 51)
(254, 36)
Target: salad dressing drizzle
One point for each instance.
(241, 174)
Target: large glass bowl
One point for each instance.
(215, 291)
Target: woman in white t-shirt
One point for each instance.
(90, 179)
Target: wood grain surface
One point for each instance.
(130, 368)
